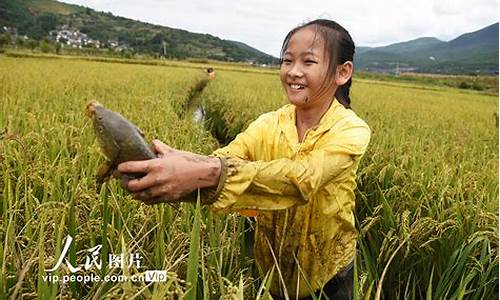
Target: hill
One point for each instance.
(36, 18)
(471, 53)
(474, 52)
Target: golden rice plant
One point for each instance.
(427, 196)
(49, 157)
(428, 186)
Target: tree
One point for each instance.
(20, 42)
(45, 46)
(32, 44)
(47, 22)
(4, 40)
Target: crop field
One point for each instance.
(426, 204)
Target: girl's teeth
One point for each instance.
(296, 86)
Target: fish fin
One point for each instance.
(108, 168)
(109, 149)
(140, 131)
(103, 173)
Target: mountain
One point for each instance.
(419, 44)
(36, 18)
(245, 47)
(474, 52)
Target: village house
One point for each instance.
(73, 38)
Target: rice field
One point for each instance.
(427, 198)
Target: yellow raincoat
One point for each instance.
(304, 193)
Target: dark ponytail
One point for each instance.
(342, 94)
(340, 48)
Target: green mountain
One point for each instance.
(419, 44)
(36, 18)
(474, 52)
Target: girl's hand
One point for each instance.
(170, 176)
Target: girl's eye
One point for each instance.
(309, 61)
(286, 60)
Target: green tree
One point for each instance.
(20, 42)
(4, 40)
(45, 46)
(47, 22)
(32, 44)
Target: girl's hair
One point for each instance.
(339, 47)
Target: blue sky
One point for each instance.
(263, 24)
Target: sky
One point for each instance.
(263, 24)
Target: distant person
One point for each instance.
(211, 73)
(296, 166)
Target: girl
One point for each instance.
(296, 166)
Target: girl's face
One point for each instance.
(304, 70)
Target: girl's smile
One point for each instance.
(304, 69)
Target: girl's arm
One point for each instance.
(282, 183)
(177, 175)
(236, 183)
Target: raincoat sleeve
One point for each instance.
(239, 148)
(245, 143)
(283, 183)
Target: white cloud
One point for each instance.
(263, 24)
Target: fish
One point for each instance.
(119, 139)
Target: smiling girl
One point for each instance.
(296, 166)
